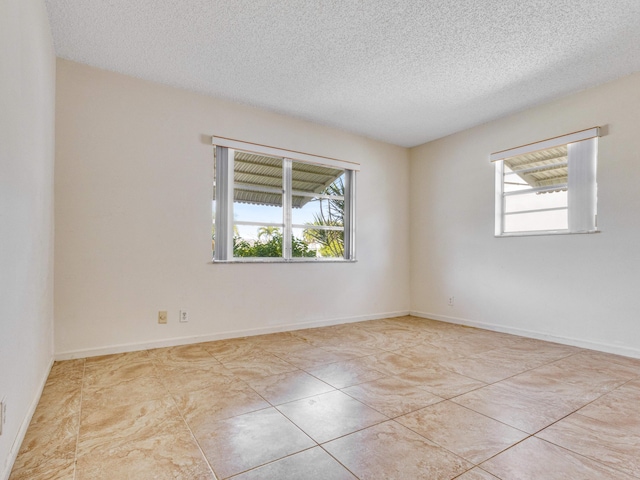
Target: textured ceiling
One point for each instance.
(402, 71)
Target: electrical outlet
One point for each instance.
(184, 316)
(3, 413)
(162, 316)
(451, 299)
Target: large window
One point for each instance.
(548, 187)
(271, 204)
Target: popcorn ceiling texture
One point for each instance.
(403, 71)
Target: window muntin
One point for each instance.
(547, 187)
(281, 209)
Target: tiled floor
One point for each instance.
(400, 398)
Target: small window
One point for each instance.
(548, 187)
(276, 205)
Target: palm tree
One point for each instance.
(331, 215)
(267, 233)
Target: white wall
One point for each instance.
(27, 84)
(133, 189)
(579, 289)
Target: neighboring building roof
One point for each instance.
(253, 170)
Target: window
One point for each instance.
(272, 204)
(548, 187)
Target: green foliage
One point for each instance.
(331, 215)
(271, 247)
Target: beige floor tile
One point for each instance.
(633, 364)
(351, 350)
(345, 374)
(202, 408)
(464, 432)
(248, 441)
(486, 369)
(614, 366)
(440, 381)
(53, 469)
(287, 387)
(426, 354)
(312, 464)
(117, 360)
(392, 396)
(618, 408)
(600, 441)
(527, 358)
(166, 456)
(467, 345)
(311, 357)
(476, 474)
(389, 363)
(232, 349)
(147, 440)
(261, 365)
(67, 371)
(391, 451)
(191, 355)
(54, 405)
(537, 459)
(574, 391)
(280, 342)
(103, 375)
(122, 424)
(330, 415)
(48, 441)
(515, 408)
(586, 380)
(544, 350)
(124, 392)
(187, 378)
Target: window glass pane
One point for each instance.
(257, 193)
(538, 221)
(318, 211)
(318, 242)
(250, 169)
(535, 201)
(257, 241)
(251, 206)
(311, 178)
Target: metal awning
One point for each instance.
(544, 168)
(258, 175)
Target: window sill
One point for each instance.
(281, 260)
(547, 232)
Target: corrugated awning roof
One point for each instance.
(251, 170)
(544, 168)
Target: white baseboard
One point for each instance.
(22, 431)
(574, 342)
(171, 342)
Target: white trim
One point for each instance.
(545, 144)
(535, 233)
(284, 153)
(22, 431)
(171, 342)
(574, 342)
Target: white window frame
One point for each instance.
(224, 188)
(581, 186)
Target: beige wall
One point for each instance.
(27, 85)
(580, 289)
(133, 220)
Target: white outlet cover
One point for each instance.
(184, 316)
